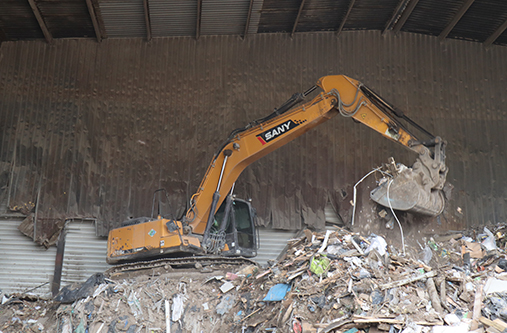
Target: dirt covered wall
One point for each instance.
(92, 129)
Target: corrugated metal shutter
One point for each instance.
(331, 215)
(24, 265)
(272, 242)
(85, 253)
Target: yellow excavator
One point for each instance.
(219, 224)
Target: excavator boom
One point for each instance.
(200, 232)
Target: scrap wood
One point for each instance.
(299, 270)
(407, 281)
(325, 241)
(356, 246)
(297, 259)
(350, 253)
(499, 325)
(443, 294)
(450, 300)
(447, 238)
(423, 265)
(392, 321)
(251, 314)
(167, 317)
(263, 274)
(501, 322)
(399, 260)
(335, 325)
(295, 275)
(308, 235)
(434, 297)
(288, 313)
(477, 308)
(337, 320)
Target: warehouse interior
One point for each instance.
(102, 102)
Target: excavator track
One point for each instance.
(195, 261)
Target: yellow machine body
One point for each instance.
(340, 95)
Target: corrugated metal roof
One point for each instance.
(321, 15)
(278, 15)
(432, 16)
(370, 14)
(255, 16)
(173, 18)
(17, 20)
(481, 20)
(169, 18)
(66, 18)
(224, 17)
(123, 18)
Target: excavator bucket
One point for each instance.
(417, 189)
(405, 192)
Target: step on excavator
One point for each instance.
(219, 225)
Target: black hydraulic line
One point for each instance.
(227, 213)
(216, 197)
(211, 217)
(309, 91)
(294, 100)
(382, 104)
(413, 123)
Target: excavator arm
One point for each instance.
(416, 189)
(340, 95)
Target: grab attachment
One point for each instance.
(417, 189)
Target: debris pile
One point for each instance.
(335, 281)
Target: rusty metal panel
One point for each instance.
(91, 130)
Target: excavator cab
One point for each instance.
(240, 232)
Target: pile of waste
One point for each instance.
(334, 281)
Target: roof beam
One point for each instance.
(147, 19)
(248, 17)
(396, 15)
(95, 23)
(351, 4)
(404, 17)
(42, 24)
(198, 23)
(455, 19)
(491, 39)
(297, 17)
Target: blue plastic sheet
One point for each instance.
(277, 292)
